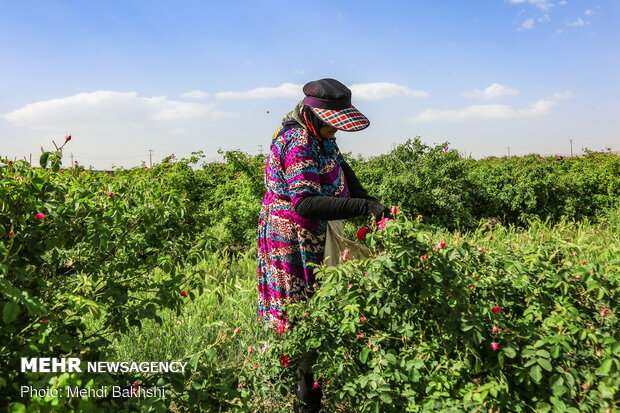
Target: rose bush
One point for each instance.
(77, 266)
(509, 327)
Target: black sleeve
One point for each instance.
(355, 187)
(331, 207)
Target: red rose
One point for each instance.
(285, 361)
(361, 233)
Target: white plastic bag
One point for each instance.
(336, 245)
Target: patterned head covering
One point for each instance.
(330, 100)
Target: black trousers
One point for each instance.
(309, 398)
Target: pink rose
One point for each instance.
(40, 215)
(423, 257)
(495, 329)
(441, 244)
(381, 224)
(494, 346)
(345, 255)
(394, 210)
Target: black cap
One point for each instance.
(327, 94)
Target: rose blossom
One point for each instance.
(361, 233)
(285, 361)
(381, 224)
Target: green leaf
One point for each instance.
(390, 357)
(510, 352)
(385, 398)
(544, 363)
(605, 367)
(536, 373)
(43, 159)
(17, 408)
(364, 354)
(10, 312)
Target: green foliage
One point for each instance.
(424, 180)
(412, 328)
(232, 198)
(456, 193)
(78, 253)
(100, 277)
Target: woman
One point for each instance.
(308, 183)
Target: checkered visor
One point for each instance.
(349, 119)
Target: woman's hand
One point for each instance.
(377, 210)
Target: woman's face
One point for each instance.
(327, 132)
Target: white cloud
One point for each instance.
(360, 91)
(541, 4)
(491, 112)
(544, 18)
(588, 12)
(492, 92)
(195, 94)
(528, 24)
(383, 90)
(577, 23)
(107, 109)
(285, 90)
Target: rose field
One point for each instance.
(493, 288)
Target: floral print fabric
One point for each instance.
(298, 166)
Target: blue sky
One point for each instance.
(124, 77)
